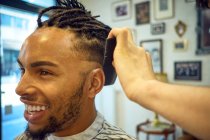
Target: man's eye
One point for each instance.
(22, 71)
(44, 72)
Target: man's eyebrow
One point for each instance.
(43, 63)
(39, 63)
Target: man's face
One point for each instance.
(51, 86)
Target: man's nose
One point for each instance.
(25, 85)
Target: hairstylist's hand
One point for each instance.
(134, 69)
(132, 63)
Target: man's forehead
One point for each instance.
(49, 42)
(53, 33)
(51, 37)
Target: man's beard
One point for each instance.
(69, 117)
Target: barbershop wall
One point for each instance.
(112, 101)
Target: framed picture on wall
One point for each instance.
(142, 13)
(154, 47)
(163, 9)
(158, 28)
(121, 10)
(188, 70)
(203, 35)
(190, 1)
(181, 45)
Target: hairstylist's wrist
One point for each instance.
(144, 93)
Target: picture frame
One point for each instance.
(187, 1)
(163, 9)
(121, 10)
(188, 70)
(154, 47)
(158, 28)
(180, 28)
(181, 45)
(203, 34)
(142, 11)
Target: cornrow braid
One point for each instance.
(72, 3)
(72, 15)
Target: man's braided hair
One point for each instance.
(90, 33)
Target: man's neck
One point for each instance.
(86, 118)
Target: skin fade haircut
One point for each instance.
(72, 15)
(88, 37)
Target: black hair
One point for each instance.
(72, 15)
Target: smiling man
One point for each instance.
(61, 64)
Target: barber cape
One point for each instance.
(100, 129)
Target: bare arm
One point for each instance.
(186, 106)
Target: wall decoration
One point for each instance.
(142, 13)
(163, 9)
(158, 28)
(190, 0)
(188, 70)
(121, 10)
(181, 45)
(180, 28)
(203, 32)
(154, 47)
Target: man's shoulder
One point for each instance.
(22, 137)
(109, 132)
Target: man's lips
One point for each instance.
(34, 105)
(35, 108)
(34, 113)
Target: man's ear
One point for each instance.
(95, 82)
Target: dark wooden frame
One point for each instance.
(142, 13)
(203, 33)
(188, 1)
(188, 70)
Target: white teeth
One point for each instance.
(38, 108)
(33, 108)
(43, 108)
(29, 108)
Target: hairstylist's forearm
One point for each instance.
(186, 106)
